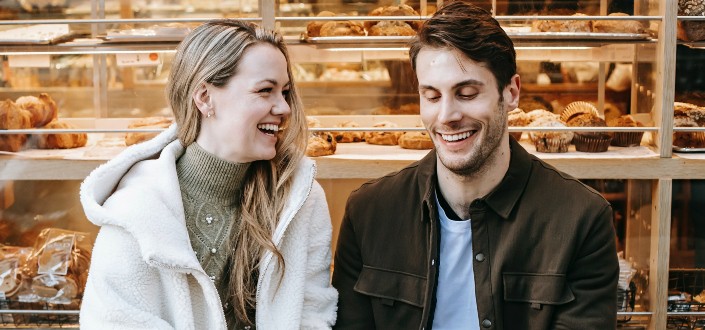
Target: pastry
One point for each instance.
(13, 117)
(149, 122)
(415, 140)
(61, 141)
(391, 28)
(550, 141)
(409, 109)
(321, 144)
(528, 103)
(562, 25)
(383, 138)
(517, 117)
(342, 28)
(42, 108)
(313, 29)
(625, 139)
(588, 141)
(688, 115)
(691, 30)
(577, 108)
(536, 114)
(348, 136)
(621, 26)
(400, 10)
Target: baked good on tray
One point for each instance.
(415, 140)
(13, 117)
(621, 26)
(61, 140)
(562, 25)
(688, 115)
(149, 122)
(691, 30)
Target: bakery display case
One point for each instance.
(98, 68)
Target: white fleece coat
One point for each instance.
(145, 275)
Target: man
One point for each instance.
(479, 234)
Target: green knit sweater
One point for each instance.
(211, 190)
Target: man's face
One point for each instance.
(462, 109)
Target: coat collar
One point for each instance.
(139, 191)
(502, 198)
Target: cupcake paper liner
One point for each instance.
(551, 145)
(689, 139)
(627, 139)
(592, 142)
(578, 107)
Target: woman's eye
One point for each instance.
(265, 90)
(285, 93)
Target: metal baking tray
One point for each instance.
(687, 150)
(356, 39)
(577, 36)
(146, 35)
(39, 41)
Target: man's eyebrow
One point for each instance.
(468, 82)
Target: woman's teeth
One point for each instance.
(455, 137)
(268, 128)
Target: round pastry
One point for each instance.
(626, 26)
(400, 10)
(415, 140)
(349, 136)
(321, 144)
(517, 117)
(342, 28)
(61, 141)
(625, 139)
(383, 138)
(13, 117)
(611, 111)
(688, 115)
(691, 30)
(313, 29)
(42, 108)
(536, 114)
(562, 26)
(149, 122)
(528, 103)
(550, 141)
(410, 109)
(313, 122)
(391, 28)
(589, 141)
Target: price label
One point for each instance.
(137, 59)
(29, 61)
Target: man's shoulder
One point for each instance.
(550, 181)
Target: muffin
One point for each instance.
(576, 108)
(548, 141)
(691, 30)
(589, 141)
(391, 28)
(688, 115)
(400, 10)
(536, 114)
(625, 139)
(517, 117)
(528, 103)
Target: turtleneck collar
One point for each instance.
(204, 176)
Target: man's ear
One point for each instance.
(511, 92)
(201, 97)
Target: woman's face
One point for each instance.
(249, 109)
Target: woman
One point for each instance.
(217, 222)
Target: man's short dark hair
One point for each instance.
(472, 31)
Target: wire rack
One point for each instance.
(685, 311)
(16, 314)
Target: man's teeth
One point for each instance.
(455, 137)
(268, 127)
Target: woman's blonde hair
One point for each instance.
(211, 54)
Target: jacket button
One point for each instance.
(480, 257)
(486, 323)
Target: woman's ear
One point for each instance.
(201, 97)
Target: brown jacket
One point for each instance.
(543, 244)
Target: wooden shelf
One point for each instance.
(365, 161)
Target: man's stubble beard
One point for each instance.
(481, 157)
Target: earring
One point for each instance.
(211, 113)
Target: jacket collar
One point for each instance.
(501, 199)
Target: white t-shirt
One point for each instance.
(456, 306)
